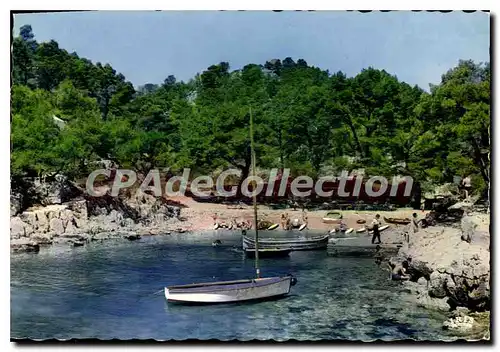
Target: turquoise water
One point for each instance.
(114, 290)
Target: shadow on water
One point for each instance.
(173, 304)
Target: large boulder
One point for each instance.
(426, 301)
(42, 221)
(56, 190)
(79, 208)
(99, 206)
(127, 222)
(468, 228)
(56, 225)
(17, 227)
(43, 238)
(437, 284)
(460, 324)
(115, 217)
(475, 228)
(16, 203)
(29, 218)
(418, 268)
(24, 245)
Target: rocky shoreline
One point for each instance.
(449, 266)
(449, 269)
(92, 219)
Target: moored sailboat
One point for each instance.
(239, 290)
(294, 244)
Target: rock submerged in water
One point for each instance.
(43, 238)
(24, 245)
(437, 285)
(426, 301)
(78, 243)
(461, 324)
(450, 272)
(133, 237)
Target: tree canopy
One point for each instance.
(306, 118)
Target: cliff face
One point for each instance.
(450, 267)
(89, 218)
(29, 191)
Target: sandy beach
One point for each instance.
(200, 216)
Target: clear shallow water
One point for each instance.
(114, 290)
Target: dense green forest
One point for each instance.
(307, 119)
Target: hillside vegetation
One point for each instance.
(308, 119)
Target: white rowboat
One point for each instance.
(230, 291)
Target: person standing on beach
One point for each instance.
(414, 227)
(376, 231)
(304, 217)
(414, 222)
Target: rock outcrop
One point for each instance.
(89, 219)
(461, 324)
(54, 191)
(16, 203)
(451, 272)
(27, 192)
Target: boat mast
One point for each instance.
(254, 196)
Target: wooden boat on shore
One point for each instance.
(397, 221)
(331, 221)
(332, 217)
(268, 252)
(295, 244)
(239, 290)
(272, 227)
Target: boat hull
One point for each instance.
(331, 221)
(230, 291)
(292, 244)
(397, 221)
(382, 228)
(268, 252)
(272, 227)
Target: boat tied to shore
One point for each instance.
(294, 244)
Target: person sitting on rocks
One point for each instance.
(399, 271)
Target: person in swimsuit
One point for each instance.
(399, 271)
